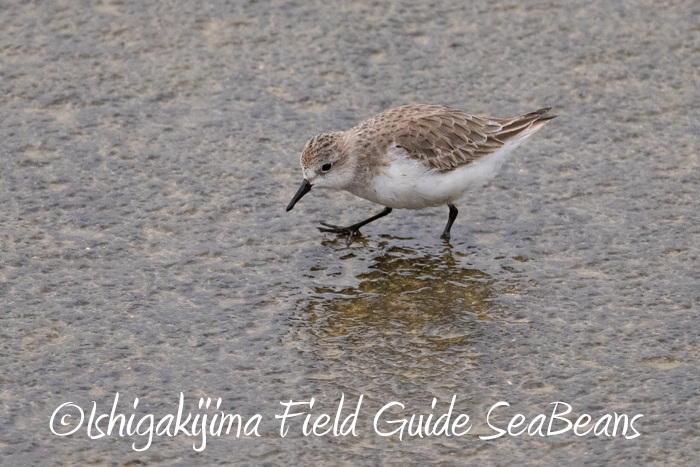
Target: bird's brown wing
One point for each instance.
(444, 138)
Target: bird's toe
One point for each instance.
(347, 231)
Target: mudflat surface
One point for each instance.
(147, 152)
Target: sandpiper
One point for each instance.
(413, 157)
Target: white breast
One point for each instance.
(407, 184)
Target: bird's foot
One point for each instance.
(350, 232)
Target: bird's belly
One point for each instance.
(409, 192)
(407, 184)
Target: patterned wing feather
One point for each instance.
(444, 138)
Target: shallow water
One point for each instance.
(148, 153)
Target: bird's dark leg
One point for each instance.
(353, 229)
(453, 215)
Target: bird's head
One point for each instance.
(324, 165)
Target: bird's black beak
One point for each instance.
(303, 189)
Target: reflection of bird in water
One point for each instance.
(413, 157)
(426, 297)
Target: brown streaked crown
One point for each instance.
(319, 147)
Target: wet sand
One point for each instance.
(149, 150)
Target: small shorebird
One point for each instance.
(412, 157)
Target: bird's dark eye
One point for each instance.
(326, 167)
